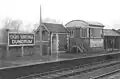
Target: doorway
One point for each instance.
(55, 43)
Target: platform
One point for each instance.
(26, 60)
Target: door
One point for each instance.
(54, 43)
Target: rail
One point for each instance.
(106, 74)
(66, 72)
(58, 66)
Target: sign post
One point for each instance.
(21, 39)
(40, 32)
(22, 51)
(8, 45)
(57, 47)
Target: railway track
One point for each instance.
(58, 69)
(106, 74)
(67, 72)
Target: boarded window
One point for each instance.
(83, 32)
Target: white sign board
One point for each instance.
(96, 42)
(21, 39)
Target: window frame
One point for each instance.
(93, 35)
(81, 33)
(71, 31)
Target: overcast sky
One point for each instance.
(106, 12)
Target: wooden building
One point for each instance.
(54, 38)
(111, 40)
(85, 36)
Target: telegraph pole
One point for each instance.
(40, 32)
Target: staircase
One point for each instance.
(82, 47)
(79, 45)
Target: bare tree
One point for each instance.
(12, 24)
(35, 26)
(27, 28)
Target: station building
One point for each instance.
(111, 40)
(76, 36)
(85, 36)
(54, 38)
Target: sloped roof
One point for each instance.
(110, 32)
(95, 23)
(56, 28)
(118, 30)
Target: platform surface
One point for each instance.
(27, 60)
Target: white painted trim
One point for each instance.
(57, 36)
(61, 51)
(37, 41)
(45, 27)
(57, 45)
(68, 40)
(21, 44)
(60, 33)
(54, 33)
(95, 27)
(8, 39)
(57, 42)
(88, 33)
(71, 37)
(51, 42)
(45, 41)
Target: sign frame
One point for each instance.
(96, 44)
(20, 44)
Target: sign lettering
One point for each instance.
(21, 39)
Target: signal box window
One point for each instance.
(95, 32)
(83, 32)
(72, 33)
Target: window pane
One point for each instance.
(95, 32)
(71, 33)
(83, 32)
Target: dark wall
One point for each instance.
(62, 42)
(109, 44)
(37, 36)
(45, 35)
